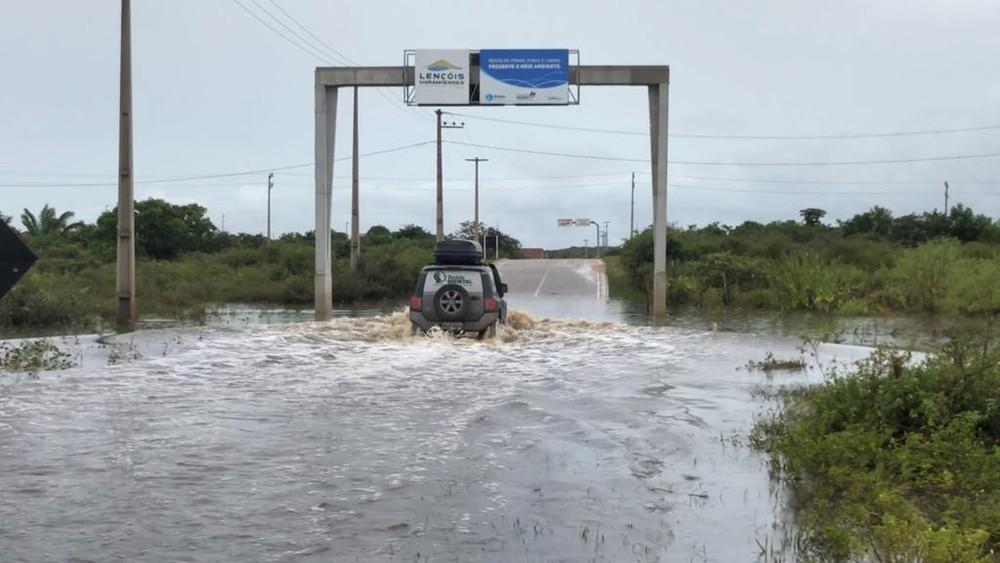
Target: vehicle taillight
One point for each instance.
(416, 303)
(491, 304)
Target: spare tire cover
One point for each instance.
(451, 302)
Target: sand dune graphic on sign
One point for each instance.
(442, 64)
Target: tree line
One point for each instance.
(187, 265)
(873, 262)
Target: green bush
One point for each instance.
(896, 460)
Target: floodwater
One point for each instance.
(562, 440)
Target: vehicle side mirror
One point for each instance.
(503, 288)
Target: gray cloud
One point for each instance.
(215, 91)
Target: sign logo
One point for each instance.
(442, 65)
(439, 277)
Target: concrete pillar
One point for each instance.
(654, 108)
(355, 215)
(658, 108)
(125, 278)
(326, 126)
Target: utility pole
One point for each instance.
(946, 198)
(125, 289)
(631, 220)
(477, 160)
(355, 227)
(270, 186)
(606, 236)
(440, 172)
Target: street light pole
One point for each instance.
(477, 160)
(597, 241)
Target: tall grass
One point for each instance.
(76, 290)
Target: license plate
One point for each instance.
(451, 327)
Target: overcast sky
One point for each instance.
(216, 91)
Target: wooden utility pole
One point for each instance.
(946, 198)
(475, 227)
(631, 220)
(355, 226)
(270, 186)
(126, 196)
(440, 172)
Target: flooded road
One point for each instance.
(562, 440)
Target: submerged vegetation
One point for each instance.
(33, 356)
(771, 364)
(897, 460)
(871, 264)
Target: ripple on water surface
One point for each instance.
(353, 440)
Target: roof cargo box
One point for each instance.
(458, 252)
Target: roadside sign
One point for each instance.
(524, 77)
(15, 258)
(583, 222)
(565, 222)
(441, 77)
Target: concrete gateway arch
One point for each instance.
(329, 81)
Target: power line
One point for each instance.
(211, 176)
(729, 163)
(305, 50)
(812, 182)
(339, 54)
(792, 192)
(734, 137)
(349, 61)
(289, 29)
(310, 48)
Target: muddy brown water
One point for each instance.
(562, 440)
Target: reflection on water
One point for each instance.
(353, 441)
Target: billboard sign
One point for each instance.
(441, 77)
(524, 77)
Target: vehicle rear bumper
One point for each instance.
(478, 325)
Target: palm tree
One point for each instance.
(47, 223)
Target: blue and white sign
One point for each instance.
(524, 76)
